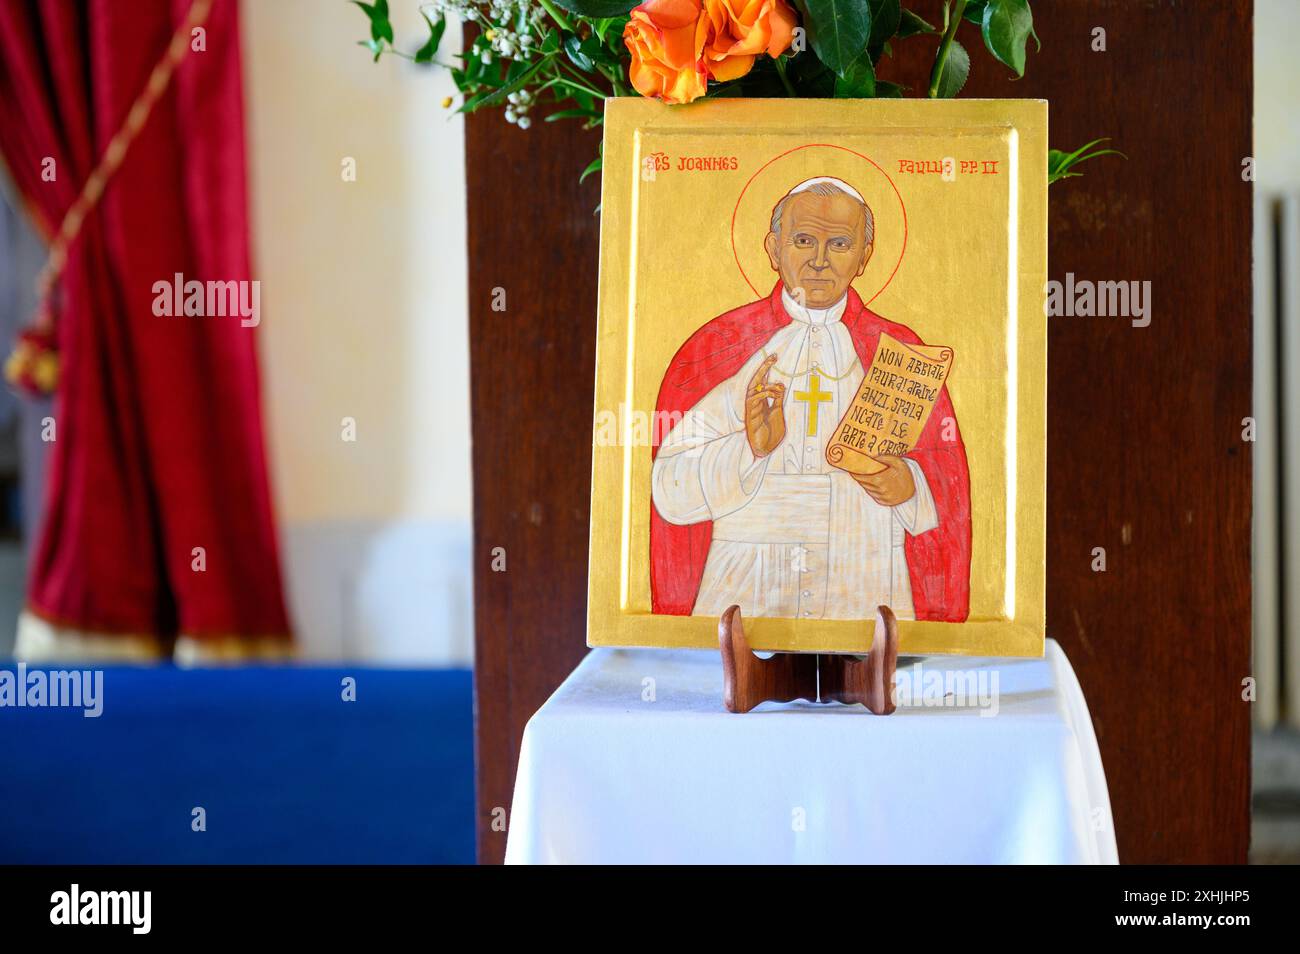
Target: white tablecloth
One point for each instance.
(634, 759)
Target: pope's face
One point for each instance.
(821, 247)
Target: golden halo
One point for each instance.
(752, 215)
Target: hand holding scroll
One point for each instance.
(891, 486)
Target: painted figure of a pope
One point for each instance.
(745, 507)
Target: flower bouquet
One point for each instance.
(564, 57)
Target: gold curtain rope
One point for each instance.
(115, 152)
(34, 364)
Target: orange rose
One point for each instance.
(739, 30)
(665, 38)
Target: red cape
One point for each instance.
(938, 561)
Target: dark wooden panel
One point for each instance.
(533, 233)
(1145, 456)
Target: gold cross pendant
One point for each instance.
(814, 397)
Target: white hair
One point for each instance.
(825, 186)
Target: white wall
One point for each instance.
(1277, 172)
(1277, 92)
(365, 317)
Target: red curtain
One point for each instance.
(158, 515)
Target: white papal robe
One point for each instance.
(792, 536)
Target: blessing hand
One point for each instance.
(764, 422)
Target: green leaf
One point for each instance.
(426, 53)
(974, 12)
(490, 97)
(551, 42)
(597, 9)
(955, 71)
(373, 46)
(910, 25)
(473, 65)
(593, 167)
(1006, 26)
(610, 28)
(885, 17)
(858, 81)
(1060, 165)
(734, 90)
(596, 51)
(516, 69)
(377, 12)
(572, 114)
(573, 47)
(837, 29)
(885, 90)
(810, 76)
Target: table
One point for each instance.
(635, 760)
